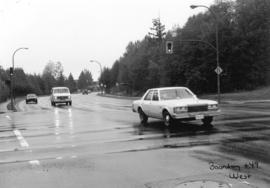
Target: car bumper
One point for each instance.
(196, 115)
(61, 100)
(31, 100)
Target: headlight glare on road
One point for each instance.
(212, 107)
(180, 109)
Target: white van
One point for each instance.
(60, 95)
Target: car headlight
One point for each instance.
(180, 109)
(212, 107)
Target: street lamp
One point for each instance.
(12, 77)
(95, 61)
(218, 69)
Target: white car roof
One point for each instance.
(60, 88)
(163, 88)
(31, 94)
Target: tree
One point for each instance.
(61, 80)
(244, 43)
(157, 30)
(4, 90)
(53, 75)
(85, 79)
(71, 84)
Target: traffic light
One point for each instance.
(169, 47)
(11, 70)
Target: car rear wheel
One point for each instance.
(70, 103)
(143, 116)
(207, 120)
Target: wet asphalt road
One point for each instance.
(98, 142)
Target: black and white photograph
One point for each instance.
(134, 93)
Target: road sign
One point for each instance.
(218, 70)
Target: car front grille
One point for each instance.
(197, 108)
(62, 97)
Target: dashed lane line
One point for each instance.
(8, 117)
(23, 144)
(34, 162)
(21, 139)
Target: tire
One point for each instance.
(168, 120)
(70, 103)
(207, 120)
(143, 117)
(67, 103)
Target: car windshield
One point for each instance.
(61, 90)
(31, 95)
(171, 94)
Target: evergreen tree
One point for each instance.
(158, 30)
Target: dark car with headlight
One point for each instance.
(31, 98)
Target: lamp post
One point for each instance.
(12, 77)
(95, 61)
(218, 69)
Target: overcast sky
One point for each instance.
(76, 31)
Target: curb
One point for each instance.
(222, 102)
(118, 96)
(245, 101)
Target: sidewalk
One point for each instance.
(245, 101)
(118, 96)
(3, 107)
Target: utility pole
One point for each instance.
(12, 77)
(95, 61)
(218, 69)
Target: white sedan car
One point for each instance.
(174, 103)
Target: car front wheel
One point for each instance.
(207, 120)
(143, 116)
(168, 121)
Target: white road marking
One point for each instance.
(24, 144)
(246, 182)
(34, 162)
(21, 139)
(73, 156)
(8, 117)
(59, 158)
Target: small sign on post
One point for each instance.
(218, 70)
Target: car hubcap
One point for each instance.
(141, 116)
(167, 120)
